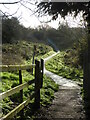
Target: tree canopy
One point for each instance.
(63, 8)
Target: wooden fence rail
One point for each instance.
(15, 89)
(38, 84)
(8, 68)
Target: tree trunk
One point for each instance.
(86, 83)
(89, 54)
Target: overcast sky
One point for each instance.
(29, 19)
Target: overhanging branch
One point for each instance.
(10, 2)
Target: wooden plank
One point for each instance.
(16, 110)
(15, 89)
(6, 68)
(37, 84)
(20, 82)
(21, 95)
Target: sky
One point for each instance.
(28, 18)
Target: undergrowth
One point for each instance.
(58, 66)
(10, 80)
(21, 53)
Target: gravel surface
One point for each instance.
(67, 104)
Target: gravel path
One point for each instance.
(63, 82)
(46, 59)
(68, 104)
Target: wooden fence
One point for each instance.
(38, 84)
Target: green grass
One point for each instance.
(45, 55)
(10, 80)
(40, 57)
(47, 92)
(57, 66)
(22, 52)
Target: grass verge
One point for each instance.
(10, 80)
(57, 66)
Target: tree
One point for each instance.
(19, 3)
(63, 8)
(10, 29)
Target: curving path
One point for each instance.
(63, 82)
(68, 104)
(58, 79)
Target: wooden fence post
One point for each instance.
(21, 94)
(34, 49)
(20, 82)
(42, 71)
(37, 84)
(86, 83)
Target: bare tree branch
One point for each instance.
(33, 12)
(24, 3)
(5, 6)
(8, 14)
(4, 13)
(11, 2)
(29, 2)
(26, 6)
